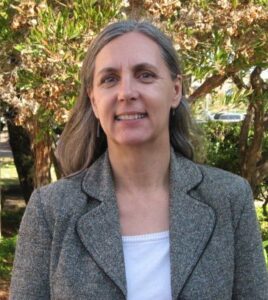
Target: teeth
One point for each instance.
(130, 117)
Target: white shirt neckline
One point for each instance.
(146, 237)
(147, 266)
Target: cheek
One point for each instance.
(93, 102)
(96, 103)
(104, 109)
(95, 109)
(161, 101)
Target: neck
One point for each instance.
(141, 167)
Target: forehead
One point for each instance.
(130, 48)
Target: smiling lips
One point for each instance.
(132, 116)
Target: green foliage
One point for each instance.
(222, 145)
(28, 80)
(261, 2)
(11, 221)
(263, 220)
(215, 36)
(6, 12)
(50, 39)
(7, 250)
(237, 98)
(264, 230)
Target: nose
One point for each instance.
(127, 88)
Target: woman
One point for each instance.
(136, 218)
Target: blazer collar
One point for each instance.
(99, 228)
(98, 180)
(191, 222)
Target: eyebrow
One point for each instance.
(135, 68)
(142, 66)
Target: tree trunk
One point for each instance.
(20, 144)
(42, 151)
(251, 147)
(254, 150)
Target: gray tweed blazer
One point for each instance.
(70, 245)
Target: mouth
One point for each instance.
(130, 117)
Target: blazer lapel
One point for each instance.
(99, 228)
(191, 222)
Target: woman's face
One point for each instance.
(133, 92)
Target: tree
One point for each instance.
(43, 44)
(220, 40)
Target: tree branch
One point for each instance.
(211, 83)
(239, 82)
(255, 79)
(214, 81)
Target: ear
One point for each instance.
(93, 104)
(177, 92)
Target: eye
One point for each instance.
(108, 80)
(146, 76)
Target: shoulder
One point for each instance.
(61, 198)
(62, 188)
(224, 181)
(225, 192)
(207, 178)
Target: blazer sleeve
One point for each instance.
(30, 274)
(251, 279)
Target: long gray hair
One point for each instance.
(79, 145)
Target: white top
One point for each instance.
(147, 264)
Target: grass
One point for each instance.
(8, 173)
(9, 176)
(10, 220)
(10, 223)
(7, 250)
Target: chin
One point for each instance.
(132, 142)
(138, 139)
(135, 141)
